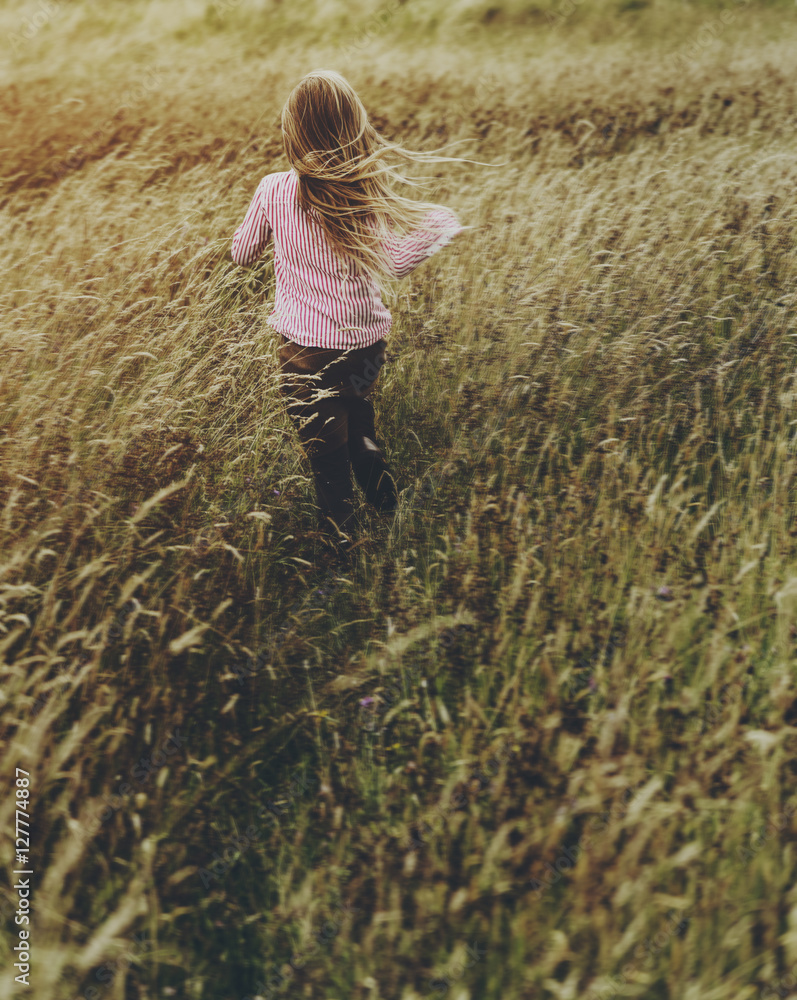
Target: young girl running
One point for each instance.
(340, 230)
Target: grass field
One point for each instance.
(539, 741)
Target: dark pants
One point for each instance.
(328, 409)
(327, 398)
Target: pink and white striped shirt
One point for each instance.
(318, 302)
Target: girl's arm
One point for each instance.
(251, 236)
(438, 229)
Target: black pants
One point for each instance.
(327, 392)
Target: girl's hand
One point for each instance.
(446, 237)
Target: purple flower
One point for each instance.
(365, 702)
(277, 492)
(664, 592)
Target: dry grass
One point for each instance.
(591, 407)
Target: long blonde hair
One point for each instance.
(344, 181)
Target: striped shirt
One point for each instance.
(318, 301)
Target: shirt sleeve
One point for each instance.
(438, 229)
(251, 236)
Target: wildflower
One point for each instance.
(365, 702)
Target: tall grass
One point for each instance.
(537, 741)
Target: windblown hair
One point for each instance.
(345, 182)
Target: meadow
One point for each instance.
(536, 741)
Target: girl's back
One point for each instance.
(320, 299)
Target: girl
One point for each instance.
(339, 230)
